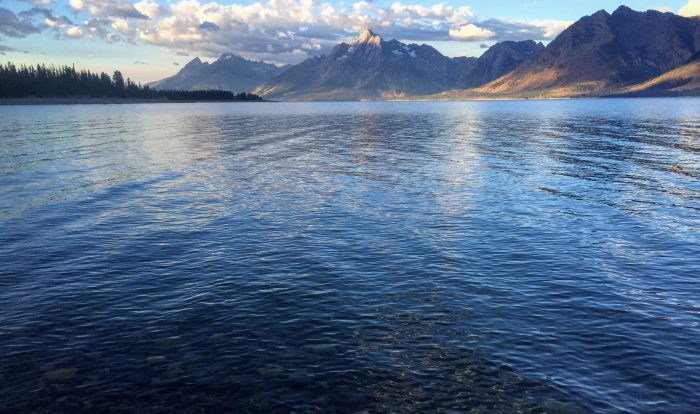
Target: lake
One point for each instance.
(521, 256)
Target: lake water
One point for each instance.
(351, 257)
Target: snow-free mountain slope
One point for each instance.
(230, 72)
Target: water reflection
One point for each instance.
(485, 256)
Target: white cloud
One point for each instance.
(75, 32)
(107, 8)
(691, 9)
(282, 31)
(289, 30)
(150, 9)
(76, 4)
(472, 32)
(120, 25)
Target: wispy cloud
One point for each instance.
(7, 49)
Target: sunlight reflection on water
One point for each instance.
(493, 256)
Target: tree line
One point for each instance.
(43, 81)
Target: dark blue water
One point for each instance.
(366, 257)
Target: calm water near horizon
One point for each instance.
(533, 256)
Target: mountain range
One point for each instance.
(369, 68)
(626, 53)
(604, 52)
(230, 72)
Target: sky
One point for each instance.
(151, 39)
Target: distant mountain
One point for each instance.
(604, 52)
(230, 72)
(497, 61)
(682, 81)
(369, 68)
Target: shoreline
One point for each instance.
(103, 101)
(128, 101)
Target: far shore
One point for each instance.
(126, 101)
(100, 101)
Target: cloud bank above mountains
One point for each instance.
(278, 30)
(275, 30)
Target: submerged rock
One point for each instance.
(270, 370)
(327, 350)
(60, 374)
(171, 342)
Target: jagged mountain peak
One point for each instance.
(230, 72)
(369, 68)
(602, 13)
(194, 62)
(623, 10)
(368, 37)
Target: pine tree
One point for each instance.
(43, 81)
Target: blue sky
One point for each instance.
(150, 39)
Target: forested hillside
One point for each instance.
(43, 81)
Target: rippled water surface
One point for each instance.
(351, 257)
